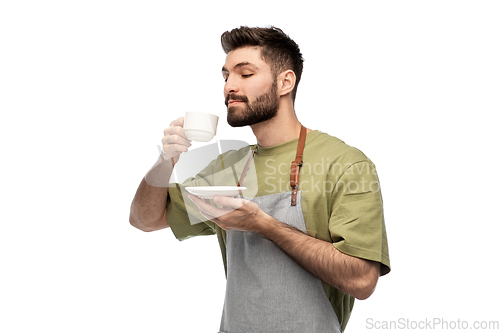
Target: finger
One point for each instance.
(175, 131)
(174, 150)
(202, 204)
(209, 217)
(178, 122)
(206, 208)
(176, 139)
(229, 202)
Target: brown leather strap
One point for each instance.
(245, 169)
(295, 168)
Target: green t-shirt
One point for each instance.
(341, 199)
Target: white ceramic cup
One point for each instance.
(200, 126)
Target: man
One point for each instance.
(313, 237)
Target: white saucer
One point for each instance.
(208, 192)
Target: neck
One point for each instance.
(282, 128)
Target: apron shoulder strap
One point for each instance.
(245, 169)
(295, 168)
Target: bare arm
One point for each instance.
(354, 276)
(148, 209)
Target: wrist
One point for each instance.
(269, 226)
(160, 172)
(164, 158)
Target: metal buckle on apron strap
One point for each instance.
(294, 180)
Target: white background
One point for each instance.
(87, 87)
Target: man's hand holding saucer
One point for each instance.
(235, 214)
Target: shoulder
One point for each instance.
(326, 146)
(234, 155)
(229, 158)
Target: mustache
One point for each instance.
(234, 97)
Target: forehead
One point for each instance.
(249, 56)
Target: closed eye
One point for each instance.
(245, 76)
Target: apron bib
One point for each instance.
(267, 291)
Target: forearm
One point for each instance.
(147, 211)
(354, 276)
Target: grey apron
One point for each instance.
(267, 291)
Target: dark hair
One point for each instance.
(278, 50)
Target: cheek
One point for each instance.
(260, 89)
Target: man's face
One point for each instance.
(250, 91)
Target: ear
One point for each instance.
(286, 82)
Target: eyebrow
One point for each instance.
(239, 65)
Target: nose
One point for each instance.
(230, 86)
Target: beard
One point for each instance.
(264, 107)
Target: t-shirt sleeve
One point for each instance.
(182, 214)
(356, 224)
